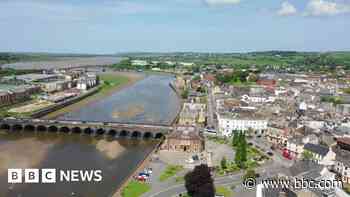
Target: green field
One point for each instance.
(221, 190)
(135, 189)
(111, 81)
(170, 171)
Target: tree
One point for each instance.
(199, 182)
(184, 94)
(241, 151)
(243, 144)
(235, 138)
(307, 155)
(223, 163)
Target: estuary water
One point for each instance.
(150, 100)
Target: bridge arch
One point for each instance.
(41, 128)
(76, 130)
(53, 128)
(100, 131)
(17, 127)
(29, 127)
(148, 135)
(88, 131)
(124, 133)
(136, 134)
(5, 127)
(112, 132)
(159, 135)
(64, 130)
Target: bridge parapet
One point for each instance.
(86, 127)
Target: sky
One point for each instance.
(112, 26)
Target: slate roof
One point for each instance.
(304, 167)
(342, 156)
(318, 149)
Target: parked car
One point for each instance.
(141, 178)
(144, 174)
(286, 154)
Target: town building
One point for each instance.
(277, 136)
(320, 154)
(184, 139)
(295, 147)
(342, 164)
(87, 82)
(241, 121)
(192, 114)
(56, 86)
(10, 94)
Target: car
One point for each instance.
(286, 154)
(144, 174)
(141, 178)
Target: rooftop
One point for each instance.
(318, 149)
(185, 133)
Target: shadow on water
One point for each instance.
(115, 157)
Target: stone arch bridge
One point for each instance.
(113, 129)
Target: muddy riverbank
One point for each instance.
(131, 78)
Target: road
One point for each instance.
(269, 169)
(211, 107)
(180, 188)
(266, 147)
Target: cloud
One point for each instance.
(222, 2)
(325, 8)
(287, 9)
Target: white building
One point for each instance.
(229, 123)
(56, 86)
(139, 62)
(87, 82)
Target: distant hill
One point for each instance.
(10, 57)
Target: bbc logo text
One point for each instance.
(52, 175)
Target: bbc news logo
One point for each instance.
(52, 175)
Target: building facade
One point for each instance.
(184, 139)
(228, 124)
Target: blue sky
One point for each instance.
(110, 26)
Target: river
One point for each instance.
(150, 100)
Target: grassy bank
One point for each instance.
(170, 171)
(219, 190)
(135, 189)
(112, 82)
